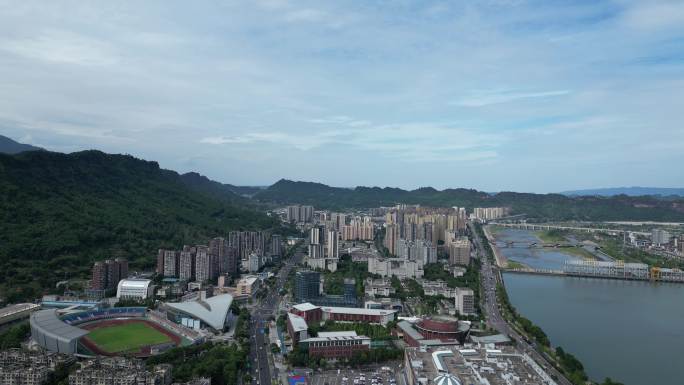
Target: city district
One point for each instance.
(404, 295)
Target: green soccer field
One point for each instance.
(127, 337)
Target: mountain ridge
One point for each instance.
(60, 212)
(552, 206)
(11, 146)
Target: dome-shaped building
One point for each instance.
(443, 328)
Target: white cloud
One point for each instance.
(486, 98)
(655, 15)
(61, 47)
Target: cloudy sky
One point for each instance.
(496, 95)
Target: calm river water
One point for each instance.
(630, 331)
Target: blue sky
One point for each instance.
(496, 95)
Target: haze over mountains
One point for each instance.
(631, 191)
(10, 146)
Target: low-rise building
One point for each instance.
(333, 345)
(455, 365)
(399, 267)
(378, 287)
(120, 371)
(248, 285)
(297, 328)
(23, 367)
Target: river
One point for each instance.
(631, 331)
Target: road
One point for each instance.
(262, 314)
(490, 277)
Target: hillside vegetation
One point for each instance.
(536, 206)
(60, 212)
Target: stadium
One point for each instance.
(130, 331)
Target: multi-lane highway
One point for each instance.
(262, 314)
(490, 277)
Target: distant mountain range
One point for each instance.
(630, 191)
(9, 146)
(535, 206)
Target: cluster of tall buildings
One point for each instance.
(489, 213)
(420, 223)
(324, 248)
(299, 214)
(221, 256)
(418, 250)
(359, 228)
(107, 274)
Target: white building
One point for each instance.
(254, 262)
(135, 288)
(402, 268)
(464, 300)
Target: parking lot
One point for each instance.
(372, 376)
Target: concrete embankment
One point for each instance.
(501, 260)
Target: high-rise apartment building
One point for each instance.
(226, 255)
(187, 264)
(392, 236)
(276, 245)
(206, 265)
(489, 213)
(299, 214)
(247, 242)
(333, 244)
(459, 251)
(338, 220)
(107, 274)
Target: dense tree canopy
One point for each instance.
(61, 212)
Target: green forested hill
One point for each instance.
(60, 212)
(536, 206)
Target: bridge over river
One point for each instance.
(541, 226)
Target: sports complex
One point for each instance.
(133, 331)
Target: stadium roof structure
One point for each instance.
(212, 311)
(50, 324)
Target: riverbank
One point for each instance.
(501, 260)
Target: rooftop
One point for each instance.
(135, 282)
(336, 336)
(357, 310)
(48, 322)
(456, 364)
(306, 306)
(213, 311)
(298, 323)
